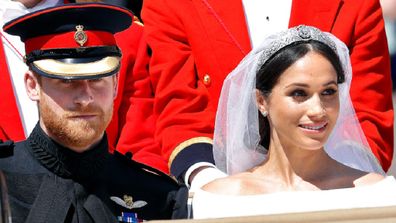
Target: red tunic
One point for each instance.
(132, 126)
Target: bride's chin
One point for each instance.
(313, 145)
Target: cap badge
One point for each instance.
(128, 202)
(80, 36)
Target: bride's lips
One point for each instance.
(314, 127)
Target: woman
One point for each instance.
(306, 139)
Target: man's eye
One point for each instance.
(67, 81)
(96, 80)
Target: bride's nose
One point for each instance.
(316, 107)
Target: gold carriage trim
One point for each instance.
(185, 144)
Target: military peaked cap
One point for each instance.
(74, 41)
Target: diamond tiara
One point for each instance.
(299, 33)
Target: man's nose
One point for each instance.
(85, 94)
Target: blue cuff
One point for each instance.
(198, 152)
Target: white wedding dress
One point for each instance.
(210, 205)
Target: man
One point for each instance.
(195, 44)
(63, 171)
(20, 114)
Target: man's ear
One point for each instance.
(32, 86)
(261, 101)
(115, 79)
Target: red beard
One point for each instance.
(74, 132)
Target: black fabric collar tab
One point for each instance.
(63, 161)
(6, 148)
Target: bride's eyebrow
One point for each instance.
(297, 85)
(330, 83)
(303, 85)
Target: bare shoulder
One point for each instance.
(368, 179)
(231, 185)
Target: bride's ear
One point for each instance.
(261, 102)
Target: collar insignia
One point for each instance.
(80, 36)
(127, 202)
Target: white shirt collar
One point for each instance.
(266, 17)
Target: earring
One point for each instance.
(264, 113)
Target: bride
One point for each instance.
(288, 135)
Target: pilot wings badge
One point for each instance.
(127, 202)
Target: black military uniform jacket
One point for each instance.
(50, 183)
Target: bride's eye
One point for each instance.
(298, 93)
(329, 91)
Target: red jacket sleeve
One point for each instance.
(371, 89)
(133, 123)
(185, 117)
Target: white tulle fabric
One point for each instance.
(236, 135)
